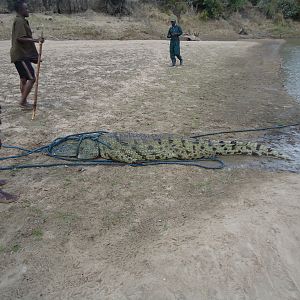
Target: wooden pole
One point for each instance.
(37, 79)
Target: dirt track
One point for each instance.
(166, 232)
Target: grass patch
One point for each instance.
(36, 211)
(37, 233)
(67, 217)
(147, 22)
(15, 248)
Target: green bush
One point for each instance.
(268, 7)
(204, 15)
(236, 5)
(254, 2)
(214, 8)
(178, 8)
(289, 8)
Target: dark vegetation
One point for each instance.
(215, 9)
(209, 9)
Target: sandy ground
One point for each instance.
(165, 232)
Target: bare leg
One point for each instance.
(26, 90)
(22, 84)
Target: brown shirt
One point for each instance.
(22, 50)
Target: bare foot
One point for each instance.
(3, 182)
(7, 198)
(26, 106)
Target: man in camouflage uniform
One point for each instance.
(174, 33)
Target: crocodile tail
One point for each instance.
(245, 148)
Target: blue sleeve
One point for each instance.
(179, 31)
(169, 34)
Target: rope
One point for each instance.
(219, 165)
(70, 162)
(246, 130)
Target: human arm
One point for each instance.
(169, 34)
(179, 31)
(176, 32)
(25, 39)
(22, 35)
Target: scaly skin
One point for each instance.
(131, 148)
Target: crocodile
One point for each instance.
(133, 148)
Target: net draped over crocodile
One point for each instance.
(133, 147)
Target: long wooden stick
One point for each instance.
(37, 80)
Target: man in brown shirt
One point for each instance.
(23, 51)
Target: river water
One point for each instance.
(289, 139)
(285, 140)
(290, 54)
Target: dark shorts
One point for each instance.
(25, 69)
